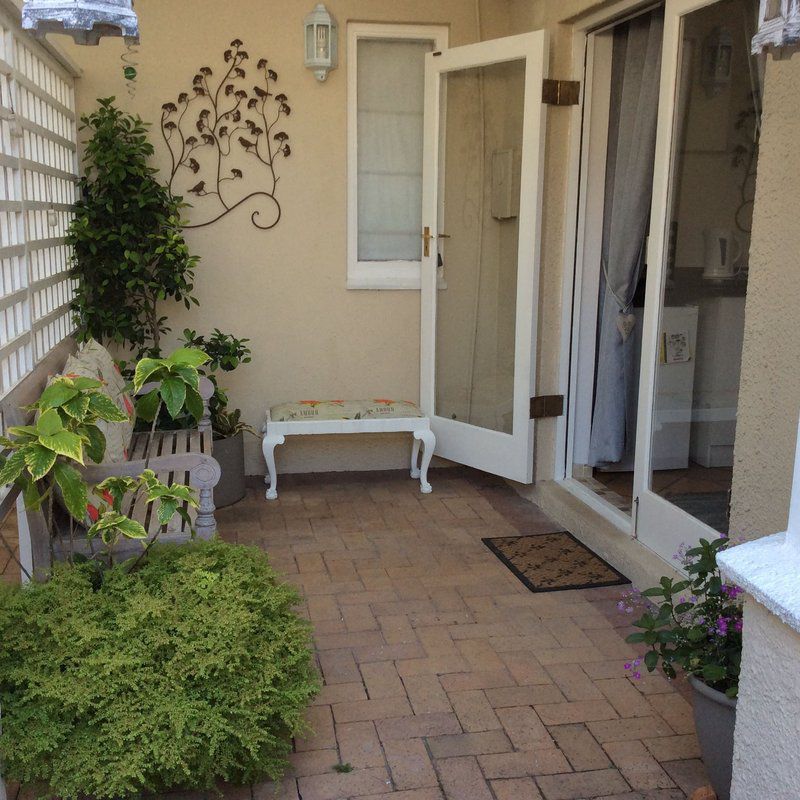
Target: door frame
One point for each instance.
(665, 521)
(575, 229)
(499, 453)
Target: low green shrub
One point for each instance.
(191, 669)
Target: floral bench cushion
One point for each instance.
(344, 409)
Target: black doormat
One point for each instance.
(553, 562)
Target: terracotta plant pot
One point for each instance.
(229, 453)
(715, 719)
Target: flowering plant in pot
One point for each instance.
(225, 353)
(696, 627)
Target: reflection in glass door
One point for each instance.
(701, 219)
(476, 314)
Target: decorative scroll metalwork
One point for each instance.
(226, 134)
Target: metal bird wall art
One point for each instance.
(226, 140)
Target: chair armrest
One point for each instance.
(203, 469)
(206, 391)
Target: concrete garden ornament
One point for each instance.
(226, 140)
(87, 21)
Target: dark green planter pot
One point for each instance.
(715, 719)
(229, 454)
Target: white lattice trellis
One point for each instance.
(38, 167)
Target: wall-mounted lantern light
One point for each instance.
(321, 42)
(87, 21)
(717, 61)
(778, 26)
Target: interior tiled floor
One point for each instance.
(617, 487)
(444, 676)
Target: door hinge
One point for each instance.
(561, 93)
(547, 405)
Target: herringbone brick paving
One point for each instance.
(444, 677)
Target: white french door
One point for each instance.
(482, 176)
(665, 418)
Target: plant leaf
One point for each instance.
(49, 423)
(12, 467)
(65, 443)
(188, 355)
(77, 406)
(131, 529)
(56, 395)
(173, 392)
(194, 403)
(166, 510)
(83, 384)
(39, 460)
(105, 408)
(147, 406)
(73, 489)
(144, 369)
(96, 446)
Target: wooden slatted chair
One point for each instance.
(182, 456)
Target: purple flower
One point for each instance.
(637, 676)
(731, 591)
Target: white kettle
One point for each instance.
(722, 253)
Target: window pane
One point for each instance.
(391, 82)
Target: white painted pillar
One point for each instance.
(766, 763)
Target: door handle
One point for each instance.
(426, 238)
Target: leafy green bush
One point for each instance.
(129, 253)
(190, 669)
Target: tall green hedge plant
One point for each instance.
(128, 245)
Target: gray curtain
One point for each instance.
(636, 74)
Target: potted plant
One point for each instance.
(697, 627)
(225, 353)
(128, 250)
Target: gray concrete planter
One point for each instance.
(229, 453)
(715, 719)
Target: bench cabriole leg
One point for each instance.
(268, 445)
(415, 458)
(429, 445)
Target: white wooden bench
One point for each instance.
(310, 417)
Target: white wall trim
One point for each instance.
(376, 274)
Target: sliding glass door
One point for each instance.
(693, 318)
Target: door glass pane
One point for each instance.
(391, 84)
(479, 193)
(703, 299)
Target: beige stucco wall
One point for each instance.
(769, 398)
(285, 289)
(767, 727)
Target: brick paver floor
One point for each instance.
(444, 677)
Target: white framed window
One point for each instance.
(38, 172)
(385, 108)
